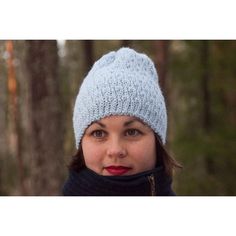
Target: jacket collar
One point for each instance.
(88, 183)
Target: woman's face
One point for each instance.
(119, 145)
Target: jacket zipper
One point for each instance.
(151, 180)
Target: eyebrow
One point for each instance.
(99, 123)
(127, 123)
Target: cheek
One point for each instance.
(93, 155)
(144, 154)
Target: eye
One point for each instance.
(98, 134)
(133, 132)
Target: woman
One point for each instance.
(120, 124)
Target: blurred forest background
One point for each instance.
(39, 81)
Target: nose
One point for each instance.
(116, 149)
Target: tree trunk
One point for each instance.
(205, 85)
(126, 43)
(206, 118)
(162, 61)
(3, 120)
(14, 121)
(47, 127)
(88, 52)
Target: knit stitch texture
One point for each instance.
(121, 83)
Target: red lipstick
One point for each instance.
(117, 170)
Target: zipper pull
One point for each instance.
(151, 180)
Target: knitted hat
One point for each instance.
(121, 83)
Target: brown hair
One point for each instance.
(163, 158)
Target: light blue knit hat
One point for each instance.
(121, 83)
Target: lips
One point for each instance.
(117, 170)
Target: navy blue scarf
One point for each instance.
(87, 183)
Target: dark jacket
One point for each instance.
(149, 183)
